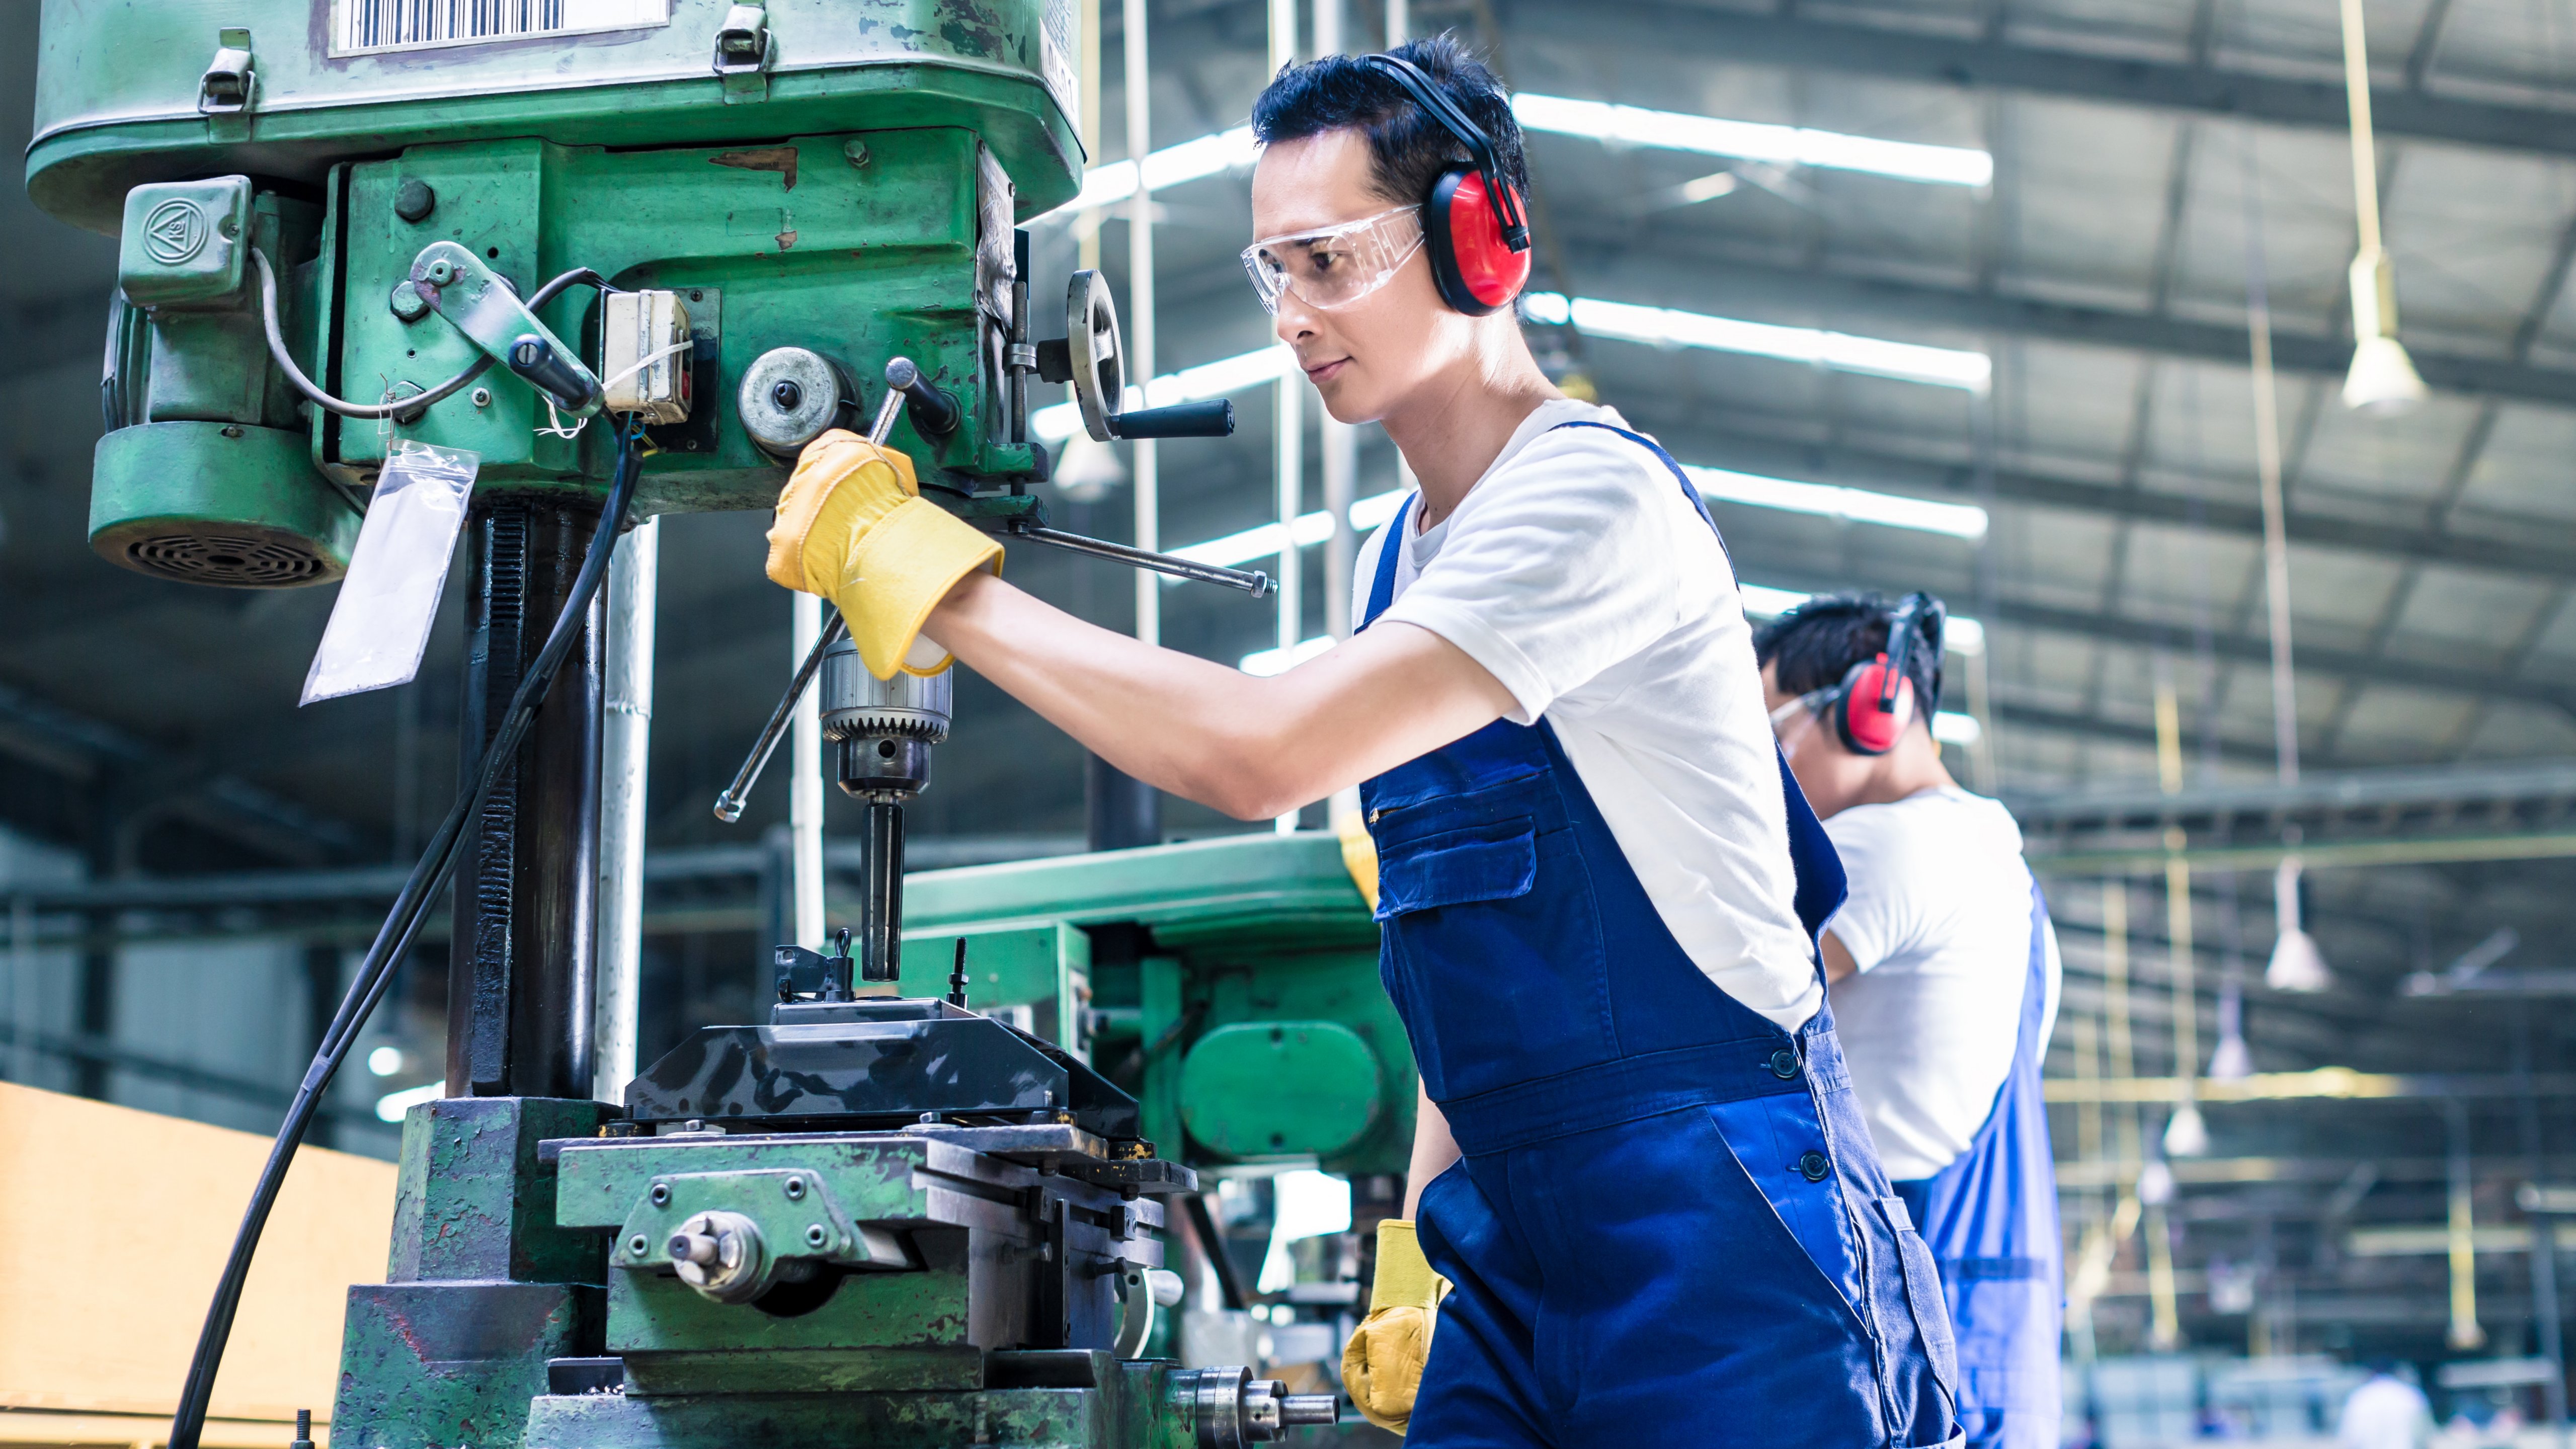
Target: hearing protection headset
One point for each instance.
(1473, 223)
(1876, 702)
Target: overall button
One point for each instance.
(1784, 1064)
(1813, 1167)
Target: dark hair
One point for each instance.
(1407, 148)
(1814, 645)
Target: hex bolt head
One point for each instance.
(856, 152)
(815, 1236)
(661, 1194)
(407, 302)
(414, 200)
(795, 1188)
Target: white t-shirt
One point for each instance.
(2384, 1413)
(1577, 573)
(1938, 921)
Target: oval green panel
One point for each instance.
(1280, 1088)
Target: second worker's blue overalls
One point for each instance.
(1668, 1225)
(1990, 1218)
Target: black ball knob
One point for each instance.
(788, 396)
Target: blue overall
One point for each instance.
(1991, 1220)
(1668, 1225)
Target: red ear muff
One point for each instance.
(1475, 270)
(1865, 728)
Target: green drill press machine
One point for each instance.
(349, 226)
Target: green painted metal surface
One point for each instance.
(482, 1286)
(1257, 1089)
(1115, 1405)
(233, 496)
(1244, 932)
(1038, 975)
(118, 89)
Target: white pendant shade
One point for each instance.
(2382, 381)
(2185, 1134)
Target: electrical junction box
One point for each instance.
(183, 242)
(644, 354)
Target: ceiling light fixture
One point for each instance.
(2383, 378)
(1753, 140)
(1838, 351)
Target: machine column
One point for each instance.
(519, 1004)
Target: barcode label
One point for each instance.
(361, 26)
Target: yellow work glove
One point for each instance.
(1382, 1364)
(854, 528)
(1359, 853)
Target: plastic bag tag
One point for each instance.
(380, 623)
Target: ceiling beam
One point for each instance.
(1660, 27)
(1615, 268)
(2536, 549)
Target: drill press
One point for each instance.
(355, 226)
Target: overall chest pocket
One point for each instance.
(1494, 954)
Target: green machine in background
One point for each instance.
(354, 227)
(1232, 987)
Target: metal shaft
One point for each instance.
(1251, 581)
(520, 1009)
(880, 936)
(729, 804)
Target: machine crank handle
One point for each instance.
(729, 805)
(1251, 581)
(1211, 419)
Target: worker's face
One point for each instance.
(1827, 770)
(1365, 356)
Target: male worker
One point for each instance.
(1944, 979)
(1667, 1225)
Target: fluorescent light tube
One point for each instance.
(1754, 140)
(1840, 351)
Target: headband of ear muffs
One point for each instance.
(1474, 225)
(1876, 702)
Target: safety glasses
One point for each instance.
(1337, 265)
(1811, 705)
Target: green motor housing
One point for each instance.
(203, 474)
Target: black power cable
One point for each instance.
(401, 406)
(402, 925)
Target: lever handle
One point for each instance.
(934, 413)
(1211, 419)
(535, 359)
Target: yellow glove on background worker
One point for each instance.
(1359, 853)
(1382, 1365)
(854, 528)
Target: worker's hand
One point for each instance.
(854, 528)
(1382, 1365)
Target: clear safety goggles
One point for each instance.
(1336, 265)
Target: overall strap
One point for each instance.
(1382, 588)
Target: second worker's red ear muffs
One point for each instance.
(1875, 703)
(1474, 225)
(1870, 719)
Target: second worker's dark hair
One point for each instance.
(1407, 148)
(1814, 645)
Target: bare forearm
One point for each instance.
(1251, 747)
(1434, 1150)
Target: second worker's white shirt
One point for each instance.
(1938, 921)
(1577, 573)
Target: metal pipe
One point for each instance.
(1140, 313)
(805, 780)
(626, 738)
